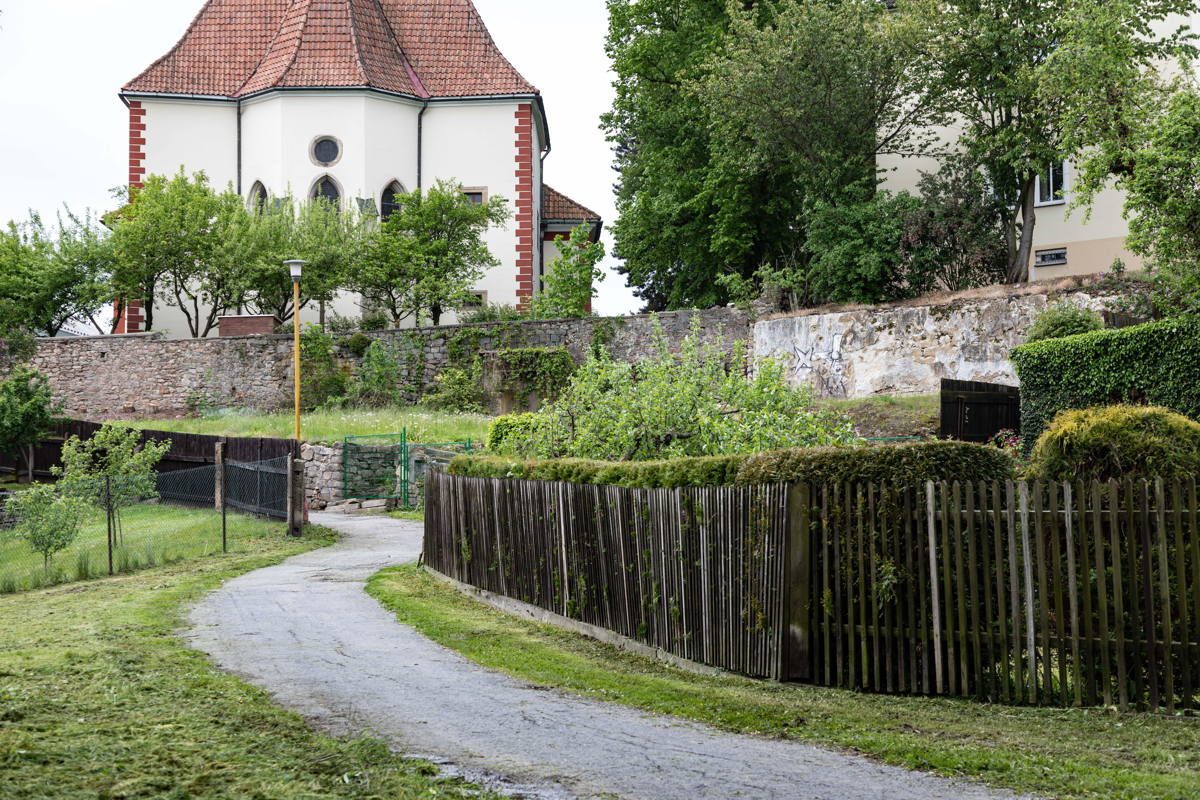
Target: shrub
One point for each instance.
(1062, 320)
(693, 402)
(491, 313)
(909, 465)
(509, 427)
(47, 520)
(356, 343)
(322, 379)
(457, 389)
(377, 383)
(374, 321)
(1157, 363)
(1117, 442)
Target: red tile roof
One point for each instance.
(425, 48)
(556, 205)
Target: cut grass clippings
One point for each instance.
(1048, 752)
(99, 698)
(423, 425)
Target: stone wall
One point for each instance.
(144, 375)
(907, 348)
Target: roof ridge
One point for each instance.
(418, 85)
(283, 21)
(299, 41)
(355, 44)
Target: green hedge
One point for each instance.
(910, 464)
(1117, 442)
(1156, 363)
(507, 426)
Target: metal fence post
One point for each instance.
(795, 660)
(219, 493)
(109, 519)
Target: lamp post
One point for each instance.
(295, 267)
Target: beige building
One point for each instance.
(1066, 240)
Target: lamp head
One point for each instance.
(295, 267)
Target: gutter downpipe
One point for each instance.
(421, 144)
(541, 237)
(239, 146)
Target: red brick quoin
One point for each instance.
(129, 316)
(524, 217)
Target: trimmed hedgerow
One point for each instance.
(1117, 442)
(1157, 363)
(901, 465)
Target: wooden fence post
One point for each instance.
(295, 496)
(219, 485)
(797, 586)
(935, 594)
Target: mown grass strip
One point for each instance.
(1069, 753)
(100, 699)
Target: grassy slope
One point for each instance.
(890, 416)
(1060, 753)
(99, 699)
(423, 425)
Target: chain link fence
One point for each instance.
(389, 467)
(78, 530)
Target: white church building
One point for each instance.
(354, 100)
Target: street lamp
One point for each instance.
(295, 267)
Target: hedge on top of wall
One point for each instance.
(910, 464)
(1157, 363)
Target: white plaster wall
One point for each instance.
(193, 135)
(904, 350)
(474, 145)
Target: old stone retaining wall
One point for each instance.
(144, 375)
(907, 348)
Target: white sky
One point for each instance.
(63, 130)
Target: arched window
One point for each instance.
(326, 188)
(389, 205)
(258, 196)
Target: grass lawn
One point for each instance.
(100, 699)
(152, 535)
(423, 425)
(892, 416)
(1050, 752)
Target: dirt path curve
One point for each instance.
(307, 632)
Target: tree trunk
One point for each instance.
(435, 313)
(1018, 265)
(29, 456)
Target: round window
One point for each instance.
(326, 150)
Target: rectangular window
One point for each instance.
(1057, 257)
(475, 300)
(477, 195)
(1052, 184)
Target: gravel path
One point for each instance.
(307, 632)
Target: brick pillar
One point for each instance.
(525, 205)
(129, 316)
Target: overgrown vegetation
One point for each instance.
(691, 402)
(1065, 753)
(101, 699)
(904, 465)
(569, 283)
(27, 413)
(1157, 363)
(1117, 443)
(1064, 319)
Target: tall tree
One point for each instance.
(666, 196)
(426, 256)
(1005, 62)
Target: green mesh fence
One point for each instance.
(390, 467)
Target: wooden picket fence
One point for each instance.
(1025, 593)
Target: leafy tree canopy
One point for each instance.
(425, 257)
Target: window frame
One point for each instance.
(1065, 189)
(383, 200)
(312, 150)
(482, 191)
(313, 192)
